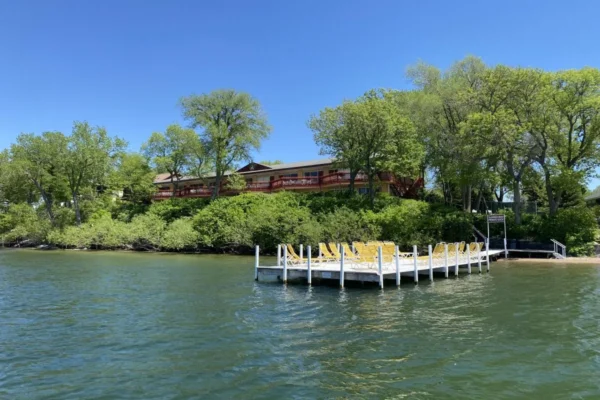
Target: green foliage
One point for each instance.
(23, 223)
(180, 235)
(346, 225)
(170, 210)
(233, 125)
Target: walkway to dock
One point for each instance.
(405, 265)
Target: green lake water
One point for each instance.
(77, 325)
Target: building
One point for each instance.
(304, 176)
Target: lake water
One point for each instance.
(155, 326)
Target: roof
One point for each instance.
(248, 170)
(594, 195)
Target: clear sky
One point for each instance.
(124, 64)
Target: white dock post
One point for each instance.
(446, 260)
(505, 245)
(342, 269)
(308, 271)
(301, 254)
(397, 259)
(469, 259)
(278, 255)
(487, 254)
(284, 264)
(416, 261)
(430, 263)
(256, 263)
(380, 261)
(479, 257)
(456, 259)
(353, 249)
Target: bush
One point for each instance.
(345, 225)
(180, 235)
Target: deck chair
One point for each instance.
(348, 253)
(324, 254)
(293, 258)
(333, 249)
(365, 255)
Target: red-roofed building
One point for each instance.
(304, 176)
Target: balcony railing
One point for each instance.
(289, 183)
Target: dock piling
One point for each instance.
(479, 258)
(285, 262)
(456, 259)
(429, 251)
(308, 260)
(279, 255)
(416, 261)
(380, 262)
(397, 259)
(487, 254)
(468, 259)
(342, 269)
(446, 260)
(256, 255)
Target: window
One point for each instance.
(288, 176)
(333, 171)
(311, 174)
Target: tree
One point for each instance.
(233, 125)
(338, 138)
(574, 140)
(134, 177)
(369, 135)
(177, 151)
(274, 162)
(235, 182)
(38, 160)
(88, 159)
(445, 103)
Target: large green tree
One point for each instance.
(90, 155)
(134, 177)
(178, 151)
(337, 136)
(39, 160)
(232, 125)
(371, 135)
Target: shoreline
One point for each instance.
(570, 260)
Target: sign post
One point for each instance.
(498, 219)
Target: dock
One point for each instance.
(401, 267)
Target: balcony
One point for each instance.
(315, 183)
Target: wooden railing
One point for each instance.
(306, 182)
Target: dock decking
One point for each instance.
(406, 265)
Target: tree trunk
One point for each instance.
(467, 198)
(553, 200)
(371, 189)
(517, 201)
(48, 202)
(215, 192)
(479, 198)
(352, 179)
(76, 206)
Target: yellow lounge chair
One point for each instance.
(348, 253)
(324, 254)
(293, 258)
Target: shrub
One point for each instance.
(180, 235)
(345, 225)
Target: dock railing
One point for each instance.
(560, 250)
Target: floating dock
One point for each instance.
(401, 267)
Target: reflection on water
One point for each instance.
(131, 326)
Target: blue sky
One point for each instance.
(124, 64)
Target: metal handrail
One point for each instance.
(563, 248)
(480, 234)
